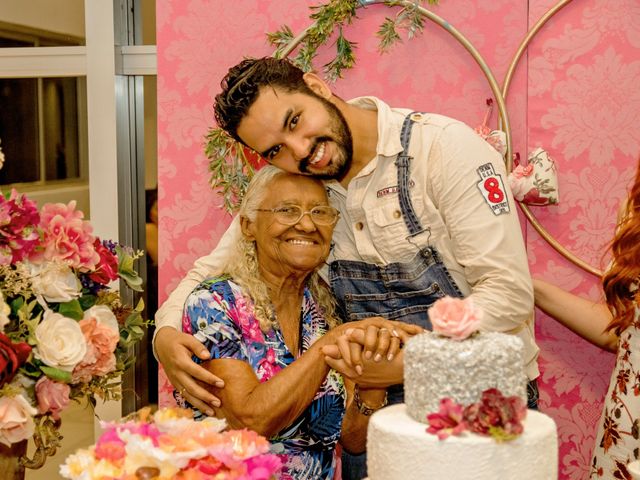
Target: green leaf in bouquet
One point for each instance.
(71, 309)
(56, 374)
(87, 301)
(126, 270)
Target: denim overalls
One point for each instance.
(397, 291)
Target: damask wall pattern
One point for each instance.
(574, 93)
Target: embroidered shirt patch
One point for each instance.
(393, 189)
(492, 189)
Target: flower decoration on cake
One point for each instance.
(65, 332)
(170, 444)
(494, 415)
(455, 318)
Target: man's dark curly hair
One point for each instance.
(242, 83)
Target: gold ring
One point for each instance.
(382, 330)
(181, 392)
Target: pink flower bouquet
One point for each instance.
(170, 444)
(65, 334)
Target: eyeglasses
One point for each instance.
(292, 214)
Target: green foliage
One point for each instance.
(126, 270)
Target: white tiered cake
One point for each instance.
(436, 367)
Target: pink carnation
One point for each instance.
(18, 233)
(67, 237)
(497, 415)
(107, 269)
(455, 317)
(100, 359)
(52, 396)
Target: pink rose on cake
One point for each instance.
(455, 318)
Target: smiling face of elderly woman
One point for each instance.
(285, 246)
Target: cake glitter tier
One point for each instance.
(399, 448)
(437, 367)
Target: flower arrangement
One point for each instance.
(455, 318)
(65, 334)
(170, 444)
(494, 415)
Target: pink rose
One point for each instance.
(455, 317)
(16, 419)
(100, 329)
(52, 396)
(67, 237)
(523, 171)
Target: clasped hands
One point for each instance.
(370, 352)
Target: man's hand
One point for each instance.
(374, 374)
(175, 350)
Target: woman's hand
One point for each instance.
(372, 339)
(175, 350)
(373, 374)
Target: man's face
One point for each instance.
(299, 133)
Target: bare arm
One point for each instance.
(584, 317)
(354, 425)
(270, 406)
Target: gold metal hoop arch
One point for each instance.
(499, 95)
(505, 90)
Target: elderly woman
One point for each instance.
(266, 321)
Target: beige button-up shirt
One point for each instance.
(458, 190)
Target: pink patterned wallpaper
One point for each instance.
(574, 93)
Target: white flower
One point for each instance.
(55, 281)
(16, 419)
(103, 315)
(5, 310)
(60, 341)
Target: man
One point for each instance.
(424, 209)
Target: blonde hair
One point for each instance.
(244, 268)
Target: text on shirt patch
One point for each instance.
(394, 189)
(492, 189)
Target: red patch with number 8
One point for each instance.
(494, 193)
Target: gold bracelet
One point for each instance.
(363, 408)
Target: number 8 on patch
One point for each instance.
(492, 189)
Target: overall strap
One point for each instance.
(403, 163)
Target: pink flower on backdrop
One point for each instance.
(52, 396)
(67, 237)
(18, 236)
(16, 419)
(448, 421)
(455, 317)
(101, 333)
(107, 269)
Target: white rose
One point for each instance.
(103, 315)
(60, 341)
(16, 419)
(55, 281)
(5, 310)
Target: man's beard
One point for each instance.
(341, 138)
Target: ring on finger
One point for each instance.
(181, 391)
(381, 330)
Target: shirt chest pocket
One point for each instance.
(388, 228)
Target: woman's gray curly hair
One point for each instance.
(243, 267)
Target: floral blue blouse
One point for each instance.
(221, 316)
